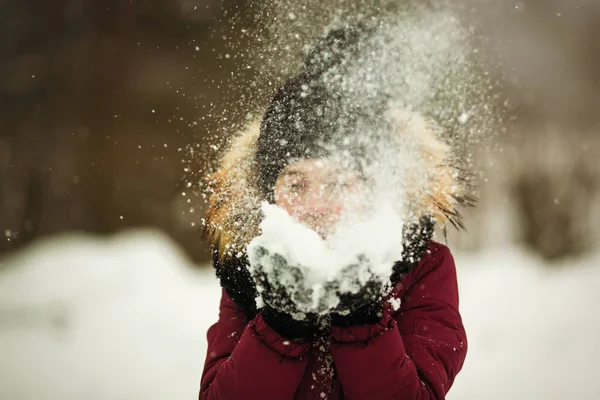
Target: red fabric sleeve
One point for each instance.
(413, 353)
(249, 360)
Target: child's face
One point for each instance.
(319, 193)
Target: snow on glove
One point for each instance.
(416, 239)
(360, 293)
(365, 306)
(282, 288)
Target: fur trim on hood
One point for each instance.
(437, 187)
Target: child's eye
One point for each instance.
(298, 186)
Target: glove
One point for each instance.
(282, 287)
(364, 306)
(237, 282)
(416, 240)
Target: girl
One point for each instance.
(409, 344)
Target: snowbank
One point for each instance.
(533, 331)
(125, 318)
(104, 319)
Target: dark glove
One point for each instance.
(364, 306)
(287, 326)
(416, 238)
(238, 283)
(282, 290)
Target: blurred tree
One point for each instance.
(552, 50)
(96, 98)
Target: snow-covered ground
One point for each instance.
(125, 318)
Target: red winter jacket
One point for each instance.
(414, 353)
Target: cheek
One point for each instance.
(291, 208)
(288, 201)
(337, 206)
(355, 202)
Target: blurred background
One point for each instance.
(108, 109)
(101, 100)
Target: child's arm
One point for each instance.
(250, 360)
(414, 354)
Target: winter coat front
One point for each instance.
(414, 352)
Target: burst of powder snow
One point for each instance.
(420, 63)
(420, 59)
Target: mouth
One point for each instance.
(321, 224)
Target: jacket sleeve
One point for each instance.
(249, 360)
(413, 353)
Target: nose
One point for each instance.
(320, 202)
(320, 209)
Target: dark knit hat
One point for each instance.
(306, 118)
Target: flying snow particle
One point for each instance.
(395, 303)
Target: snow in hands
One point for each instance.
(299, 272)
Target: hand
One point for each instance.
(360, 298)
(416, 240)
(284, 293)
(280, 284)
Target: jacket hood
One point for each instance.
(435, 184)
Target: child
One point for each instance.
(409, 344)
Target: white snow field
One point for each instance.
(83, 318)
